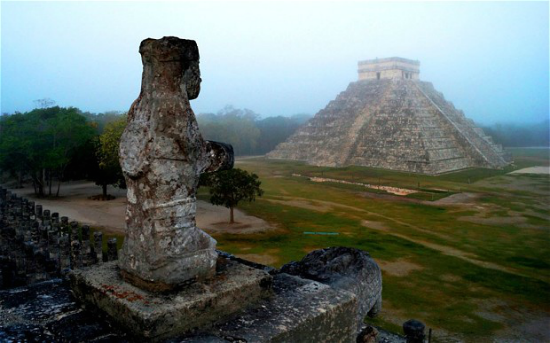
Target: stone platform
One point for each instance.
(298, 308)
(48, 312)
(157, 316)
(301, 310)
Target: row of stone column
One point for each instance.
(37, 245)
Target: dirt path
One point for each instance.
(109, 215)
(533, 170)
(458, 199)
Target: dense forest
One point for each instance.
(54, 144)
(244, 129)
(47, 146)
(50, 145)
(520, 135)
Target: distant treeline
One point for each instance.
(50, 145)
(520, 135)
(248, 134)
(54, 144)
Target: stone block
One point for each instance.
(158, 316)
(301, 310)
(347, 269)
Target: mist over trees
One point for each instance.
(244, 129)
(50, 145)
(520, 135)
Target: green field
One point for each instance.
(468, 254)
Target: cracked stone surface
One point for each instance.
(346, 269)
(162, 155)
(158, 316)
(299, 310)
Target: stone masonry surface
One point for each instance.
(36, 245)
(300, 310)
(157, 316)
(396, 124)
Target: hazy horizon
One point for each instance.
(490, 59)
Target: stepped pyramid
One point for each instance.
(390, 119)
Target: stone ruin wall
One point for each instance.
(388, 68)
(36, 245)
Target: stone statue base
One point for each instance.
(158, 316)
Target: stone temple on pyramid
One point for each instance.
(390, 119)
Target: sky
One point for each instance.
(279, 58)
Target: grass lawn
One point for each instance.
(470, 269)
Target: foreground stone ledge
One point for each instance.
(301, 310)
(48, 312)
(161, 316)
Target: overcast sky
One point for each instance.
(279, 58)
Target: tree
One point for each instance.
(275, 130)
(100, 120)
(66, 131)
(14, 146)
(41, 143)
(229, 187)
(248, 134)
(109, 171)
(233, 126)
(520, 134)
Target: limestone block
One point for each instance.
(158, 316)
(347, 269)
(301, 310)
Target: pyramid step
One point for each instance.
(396, 124)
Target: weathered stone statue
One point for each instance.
(162, 155)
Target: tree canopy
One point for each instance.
(520, 135)
(248, 134)
(109, 171)
(41, 143)
(51, 144)
(229, 187)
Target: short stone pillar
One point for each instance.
(53, 246)
(414, 331)
(74, 228)
(64, 252)
(76, 258)
(98, 246)
(86, 248)
(55, 217)
(31, 206)
(112, 250)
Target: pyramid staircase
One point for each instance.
(396, 124)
